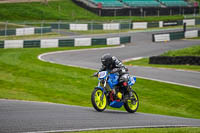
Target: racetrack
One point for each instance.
(22, 116)
(141, 46)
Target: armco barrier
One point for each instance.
(125, 26)
(161, 37)
(1, 44)
(197, 21)
(175, 35)
(24, 31)
(177, 60)
(82, 42)
(122, 25)
(81, 27)
(64, 26)
(42, 30)
(113, 41)
(125, 39)
(152, 24)
(31, 43)
(53, 43)
(111, 26)
(10, 32)
(13, 44)
(191, 34)
(7, 32)
(95, 27)
(140, 25)
(99, 41)
(189, 22)
(49, 43)
(66, 43)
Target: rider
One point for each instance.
(113, 65)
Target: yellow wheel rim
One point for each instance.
(101, 104)
(133, 105)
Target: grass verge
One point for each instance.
(196, 38)
(3, 26)
(190, 51)
(24, 77)
(29, 37)
(148, 130)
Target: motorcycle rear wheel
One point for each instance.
(131, 106)
(98, 104)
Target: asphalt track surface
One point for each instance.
(23, 116)
(141, 46)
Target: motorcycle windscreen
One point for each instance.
(132, 80)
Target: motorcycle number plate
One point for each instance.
(102, 74)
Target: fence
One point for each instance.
(122, 25)
(28, 28)
(24, 28)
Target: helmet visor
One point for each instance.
(106, 62)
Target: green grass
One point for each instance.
(190, 51)
(148, 130)
(29, 37)
(10, 26)
(196, 38)
(24, 77)
(62, 10)
(145, 62)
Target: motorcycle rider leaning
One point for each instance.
(114, 65)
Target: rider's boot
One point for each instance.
(130, 92)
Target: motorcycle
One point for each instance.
(114, 93)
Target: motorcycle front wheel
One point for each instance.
(132, 104)
(98, 103)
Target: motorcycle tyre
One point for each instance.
(93, 100)
(128, 108)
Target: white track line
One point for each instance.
(110, 128)
(135, 58)
(138, 58)
(175, 83)
(68, 51)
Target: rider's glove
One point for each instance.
(126, 68)
(95, 74)
(115, 70)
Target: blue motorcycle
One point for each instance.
(114, 93)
